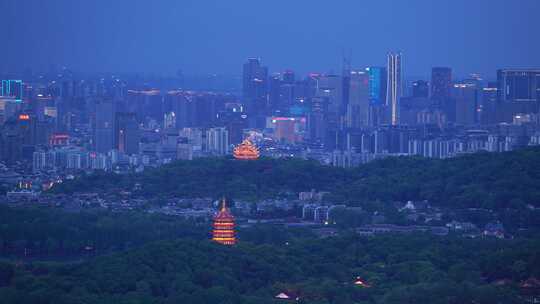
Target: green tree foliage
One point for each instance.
(46, 232)
(399, 269)
(481, 180)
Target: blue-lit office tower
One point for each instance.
(377, 94)
(254, 91)
(394, 88)
(377, 85)
(518, 92)
(12, 88)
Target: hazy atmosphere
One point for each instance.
(269, 152)
(203, 37)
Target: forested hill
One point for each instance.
(488, 180)
(395, 269)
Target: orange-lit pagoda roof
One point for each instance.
(246, 151)
(223, 231)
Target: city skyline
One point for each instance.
(306, 151)
(200, 38)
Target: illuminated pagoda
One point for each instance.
(223, 231)
(246, 151)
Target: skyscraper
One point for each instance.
(489, 105)
(12, 88)
(282, 93)
(518, 91)
(331, 86)
(147, 104)
(104, 126)
(394, 88)
(377, 85)
(127, 133)
(465, 98)
(275, 93)
(518, 84)
(316, 120)
(254, 91)
(441, 83)
(358, 105)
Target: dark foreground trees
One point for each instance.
(398, 269)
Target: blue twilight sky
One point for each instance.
(216, 36)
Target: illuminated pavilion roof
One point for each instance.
(246, 151)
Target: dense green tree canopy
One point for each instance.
(410, 269)
(482, 180)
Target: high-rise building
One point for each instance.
(489, 107)
(358, 105)
(9, 107)
(217, 141)
(465, 98)
(394, 88)
(147, 104)
(441, 84)
(13, 136)
(195, 109)
(254, 91)
(183, 107)
(519, 85)
(194, 137)
(316, 120)
(282, 93)
(127, 133)
(377, 85)
(420, 89)
(378, 77)
(287, 129)
(274, 94)
(518, 92)
(345, 88)
(104, 125)
(331, 87)
(330, 92)
(12, 88)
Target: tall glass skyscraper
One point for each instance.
(254, 92)
(377, 85)
(394, 86)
